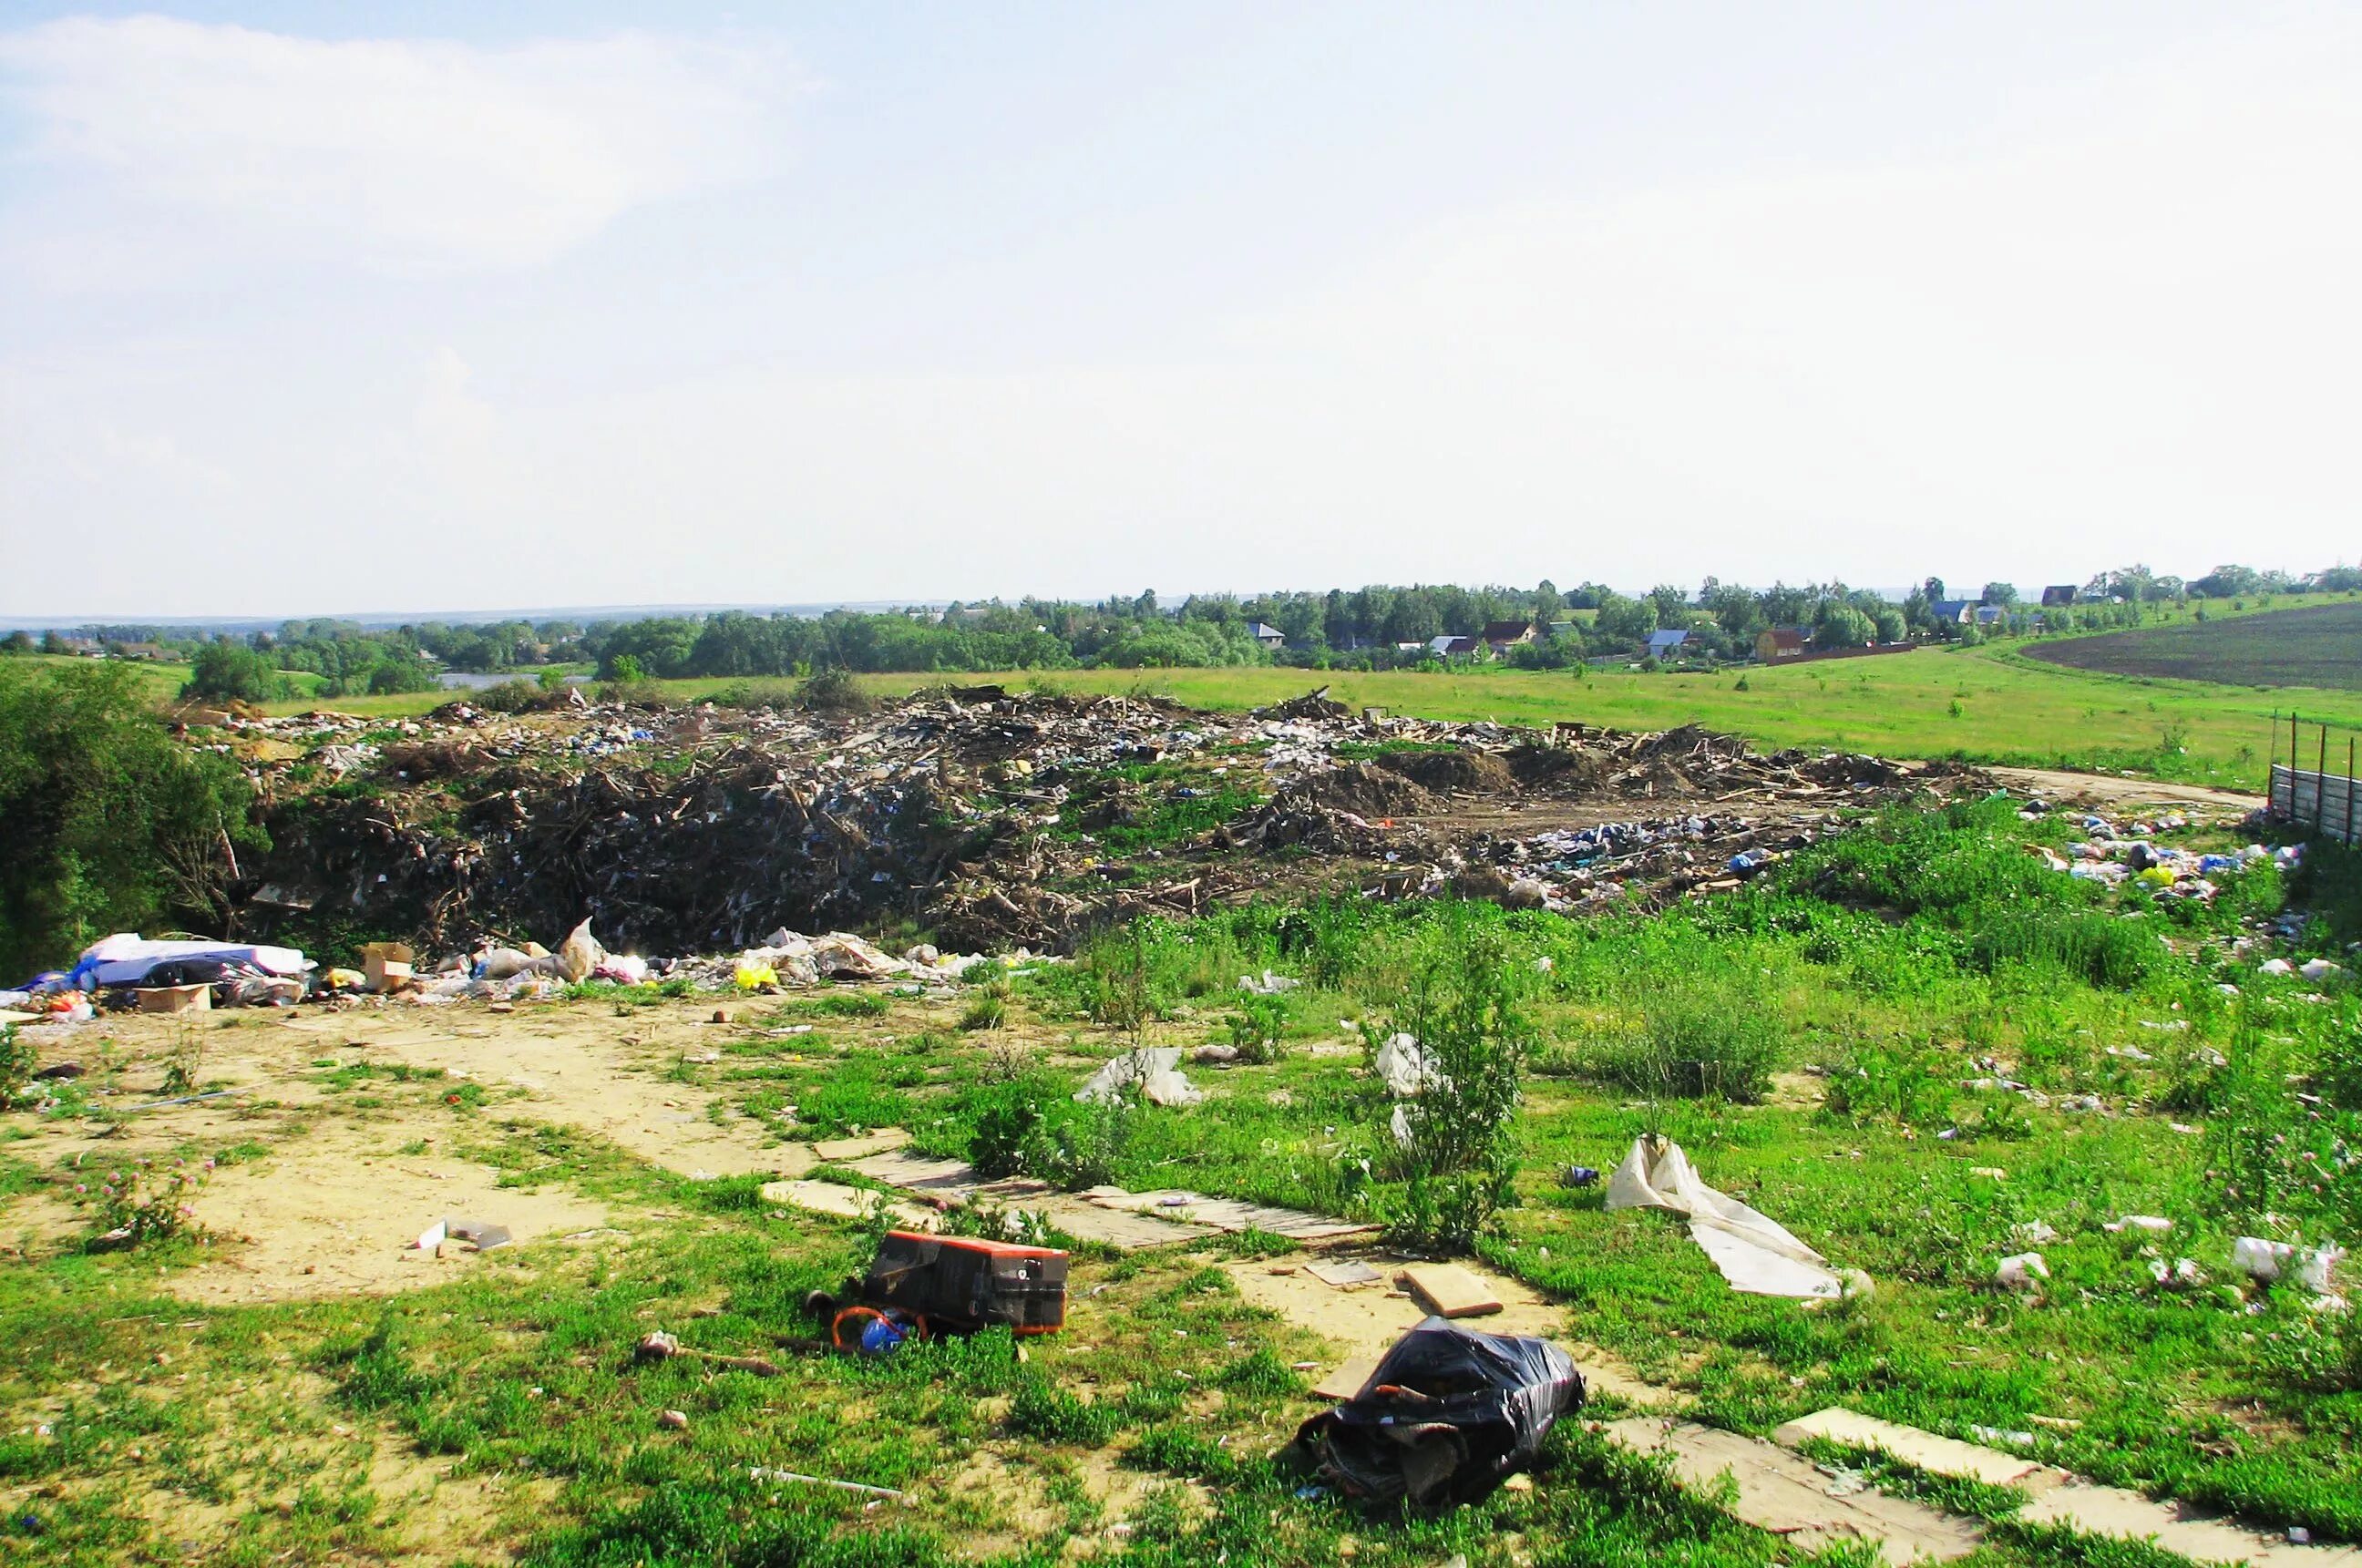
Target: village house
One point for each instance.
(1503, 635)
(2053, 598)
(1269, 636)
(1662, 644)
(1773, 643)
(1952, 611)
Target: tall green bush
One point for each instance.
(107, 823)
(1456, 1148)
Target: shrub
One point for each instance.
(1456, 1146)
(2105, 950)
(227, 670)
(833, 691)
(17, 1061)
(107, 823)
(1709, 1036)
(988, 1009)
(143, 1202)
(1256, 1027)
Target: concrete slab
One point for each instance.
(1448, 1291)
(845, 1202)
(1228, 1214)
(1936, 1455)
(883, 1141)
(1788, 1496)
(2111, 1510)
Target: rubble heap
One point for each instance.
(987, 818)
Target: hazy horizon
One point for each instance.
(596, 305)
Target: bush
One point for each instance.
(107, 823)
(1709, 1037)
(2105, 950)
(227, 670)
(833, 691)
(1457, 1148)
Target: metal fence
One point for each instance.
(2314, 797)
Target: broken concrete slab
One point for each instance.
(1448, 1291)
(1347, 1380)
(2094, 1509)
(1788, 1496)
(844, 1202)
(882, 1141)
(952, 1183)
(1936, 1455)
(1349, 1274)
(916, 1173)
(1230, 1215)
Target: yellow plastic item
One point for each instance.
(2158, 876)
(755, 976)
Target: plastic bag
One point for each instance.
(578, 955)
(1446, 1417)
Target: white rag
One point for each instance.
(1754, 1254)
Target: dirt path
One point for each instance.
(2119, 794)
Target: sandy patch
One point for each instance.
(332, 1216)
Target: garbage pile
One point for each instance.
(989, 818)
(2113, 857)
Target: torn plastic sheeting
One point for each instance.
(1754, 1253)
(124, 959)
(1447, 1416)
(1405, 1068)
(1154, 1071)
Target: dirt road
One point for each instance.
(2119, 794)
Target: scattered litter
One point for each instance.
(1405, 1068)
(1154, 1070)
(1267, 984)
(1754, 1253)
(763, 1473)
(2020, 1270)
(2155, 1225)
(1349, 1274)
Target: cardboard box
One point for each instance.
(176, 998)
(386, 965)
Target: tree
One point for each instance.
(1837, 624)
(1889, 622)
(1933, 588)
(1673, 605)
(1622, 619)
(107, 823)
(2000, 594)
(17, 642)
(227, 670)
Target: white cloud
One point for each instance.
(407, 157)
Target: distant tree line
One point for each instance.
(1377, 626)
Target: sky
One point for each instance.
(312, 308)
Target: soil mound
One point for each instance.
(1555, 767)
(1370, 792)
(1452, 772)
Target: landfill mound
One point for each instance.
(985, 818)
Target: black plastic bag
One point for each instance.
(1448, 1415)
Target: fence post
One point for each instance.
(2349, 789)
(2320, 784)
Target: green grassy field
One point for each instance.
(2317, 646)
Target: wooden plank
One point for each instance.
(915, 1173)
(1349, 1275)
